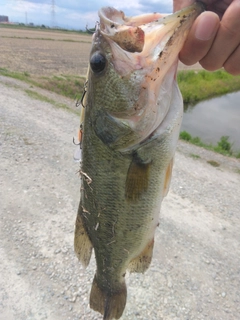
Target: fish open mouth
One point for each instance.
(144, 49)
(149, 33)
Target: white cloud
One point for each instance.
(75, 13)
(125, 4)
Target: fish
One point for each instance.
(130, 123)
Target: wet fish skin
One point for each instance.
(131, 124)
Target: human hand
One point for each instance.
(214, 39)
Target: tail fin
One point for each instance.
(110, 304)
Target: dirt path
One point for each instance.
(195, 272)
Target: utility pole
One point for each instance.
(26, 19)
(53, 13)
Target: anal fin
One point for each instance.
(141, 263)
(82, 244)
(110, 304)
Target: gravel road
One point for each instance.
(195, 272)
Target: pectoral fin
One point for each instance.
(141, 263)
(82, 243)
(137, 179)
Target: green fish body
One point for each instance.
(131, 122)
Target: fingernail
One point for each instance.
(207, 26)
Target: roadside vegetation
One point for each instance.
(70, 86)
(200, 85)
(223, 146)
(40, 27)
(194, 85)
(35, 95)
(46, 39)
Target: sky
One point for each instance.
(74, 14)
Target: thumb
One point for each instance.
(200, 38)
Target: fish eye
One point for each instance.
(98, 62)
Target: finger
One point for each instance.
(232, 65)
(227, 39)
(217, 6)
(200, 38)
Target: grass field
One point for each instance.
(199, 85)
(58, 60)
(44, 52)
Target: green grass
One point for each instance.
(199, 85)
(67, 85)
(70, 86)
(45, 39)
(223, 146)
(28, 38)
(194, 156)
(37, 96)
(194, 85)
(23, 76)
(213, 163)
(41, 27)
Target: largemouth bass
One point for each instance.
(130, 126)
